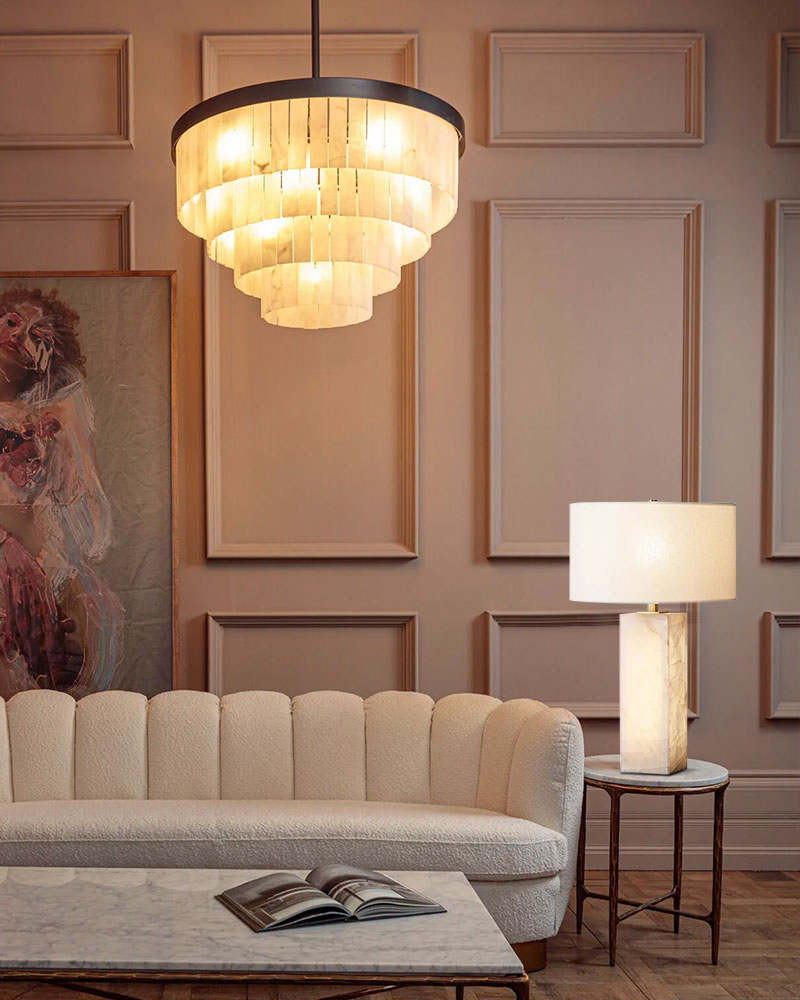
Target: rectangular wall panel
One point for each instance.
(332, 471)
(580, 88)
(779, 664)
(294, 653)
(66, 235)
(762, 828)
(594, 362)
(66, 91)
(782, 384)
(785, 129)
(568, 659)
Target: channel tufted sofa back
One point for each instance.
(392, 747)
(257, 780)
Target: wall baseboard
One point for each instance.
(762, 827)
(698, 859)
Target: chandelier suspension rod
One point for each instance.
(315, 38)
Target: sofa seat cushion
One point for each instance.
(277, 834)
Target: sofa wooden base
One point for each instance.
(532, 954)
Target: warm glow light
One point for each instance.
(317, 202)
(652, 553)
(653, 692)
(233, 145)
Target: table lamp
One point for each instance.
(652, 553)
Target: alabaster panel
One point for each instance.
(652, 693)
(568, 659)
(311, 437)
(786, 90)
(297, 653)
(66, 91)
(591, 303)
(779, 664)
(782, 395)
(596, 88)
(60, 235)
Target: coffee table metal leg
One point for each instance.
(522, 989)
(580, 888)
(613, 876)
(716, 898)
(677, 861)
(459, 993)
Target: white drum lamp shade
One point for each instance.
(652, 553)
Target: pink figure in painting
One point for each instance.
(60, 623)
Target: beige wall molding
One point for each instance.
(756, 845)
(763, 857)
(216, 47)
(552, 57)
(776, 545)
(785, 116)
(690, 212)
(405, 544)
(497, 620)
(406, 622)
(118, 212)
(41, 56)
(762, 826)
(776, 706)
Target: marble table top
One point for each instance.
(698, 774)
(168, 920)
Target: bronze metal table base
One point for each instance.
(95, 991)
(80, 981)
(615, 918)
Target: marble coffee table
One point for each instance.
(74, 925)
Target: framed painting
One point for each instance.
(87, 481)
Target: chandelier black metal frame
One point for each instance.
(319, 86)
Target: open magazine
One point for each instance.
(328, 893)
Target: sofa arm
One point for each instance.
(546, 786)
(546, 780)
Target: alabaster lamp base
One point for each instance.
(653, 686)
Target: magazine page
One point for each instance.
(281, 900)
(368, 894)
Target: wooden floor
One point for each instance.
(759, 953)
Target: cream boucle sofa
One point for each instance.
(255, 780)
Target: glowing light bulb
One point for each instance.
(376, 133)
(269, 228)
(234, 145)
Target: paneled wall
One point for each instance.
(613, 314)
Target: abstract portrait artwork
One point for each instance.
(86, 482)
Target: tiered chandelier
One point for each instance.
(316, 191)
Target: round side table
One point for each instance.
(699, 777)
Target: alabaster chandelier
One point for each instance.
(316, 191)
